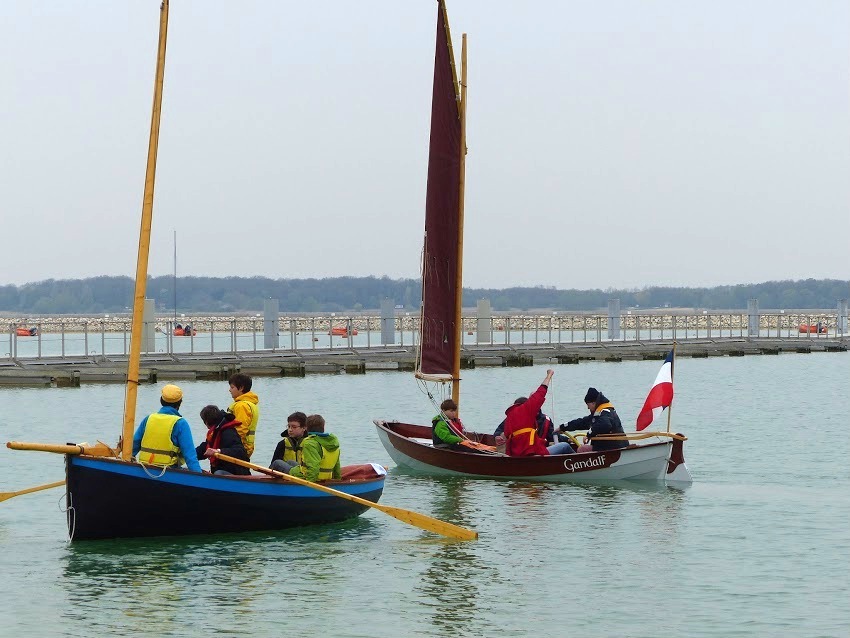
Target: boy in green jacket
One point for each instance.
(319, 453)
(446, 427)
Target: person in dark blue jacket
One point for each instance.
(603, 419)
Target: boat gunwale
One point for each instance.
(254, 485)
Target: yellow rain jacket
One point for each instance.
(247, 410)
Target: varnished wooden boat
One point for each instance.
(653, 457)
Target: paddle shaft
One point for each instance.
(4, 496)
(99, 449)
(406, 516)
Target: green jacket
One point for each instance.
(441, 432)
(319, 458)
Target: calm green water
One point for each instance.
(758, 546)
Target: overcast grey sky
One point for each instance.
(611, 144)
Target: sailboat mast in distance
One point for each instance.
(144, 245)
(175, 280)
(439, 348)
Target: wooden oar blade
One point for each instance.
(4, 496)
(427, 523)
(406, 516)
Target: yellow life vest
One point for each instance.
(600, 409)
(292, 450)
(157, 448)
(247, 431)
(326, 467)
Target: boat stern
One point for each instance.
(677, 470)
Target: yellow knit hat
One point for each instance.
(172, 393)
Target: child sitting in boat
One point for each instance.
(319, 453)
(223, 438)
(447, 432)
(245, 408)
(288, 452)
(446, 427)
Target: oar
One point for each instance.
(5, 496)
(406, 516)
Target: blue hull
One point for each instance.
(108, 498)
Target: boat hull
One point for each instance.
(108, 498)
(813, 329)
(409, 446)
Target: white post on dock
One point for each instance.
(271, 323)
(149, 326)
(484, 322)
(387, 322)
(842, 317)
(752, 317)
(614, 319)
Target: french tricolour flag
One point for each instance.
(660, 396)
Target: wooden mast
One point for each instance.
(144, 246)
(461, 189)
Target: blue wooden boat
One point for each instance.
(111, 498)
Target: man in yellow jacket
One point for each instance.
(245, 408)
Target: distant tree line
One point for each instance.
(339, 294)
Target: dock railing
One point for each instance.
(91, 339)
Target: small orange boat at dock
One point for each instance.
(813, 328)
(342, 331)
(26, 332)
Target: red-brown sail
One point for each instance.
(439, 332)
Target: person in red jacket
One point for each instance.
(521, 426)
(222, 437)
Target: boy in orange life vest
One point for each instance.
(222, 437)
(245, 408)
(164, 438)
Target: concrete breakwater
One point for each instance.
(410, 322)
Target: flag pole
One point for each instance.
(672, 367)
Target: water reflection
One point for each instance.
(661, 513)
(530, 504)
(450, 582)
(155, 582)
(657, 507)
